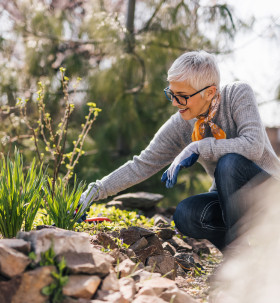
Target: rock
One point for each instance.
(126, 267)
(185, 260)
(17, 244)
(202, 246)
(168, 247)
(140, 200)
(180, 272)
(155, 287)
(165, 233)
(141, 243)
(179, 244)
(161, 220)
(112, 297)
(127, 288)
(106, 241)
(163, 264)
(95, 262)
(141, 275)
(111, 282)
(154, 241)
(12, 262)
(116, 204)
(39, 227)
(117, 255)
(148, 299)
(81, 286)
(176, 295)
(143, 254)
(62, 240)
(31, 285)
(8, 289)
(133, 234)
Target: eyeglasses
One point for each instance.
(182, 100)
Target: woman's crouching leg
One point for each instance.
(200, 217)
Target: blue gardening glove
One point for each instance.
(87, 197)
(186, 158)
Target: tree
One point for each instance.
(121, 49)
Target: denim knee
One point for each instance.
(183, 217)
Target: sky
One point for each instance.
(256, 56)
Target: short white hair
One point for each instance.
(197, 68)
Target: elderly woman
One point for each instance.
(222, 130)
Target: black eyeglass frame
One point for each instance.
(167, 90)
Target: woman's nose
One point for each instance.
(174, 102)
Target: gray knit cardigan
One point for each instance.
(237, 115)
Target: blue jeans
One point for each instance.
(215, 215)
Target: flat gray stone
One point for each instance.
(140, 200)
(62, 240)
(95, 262)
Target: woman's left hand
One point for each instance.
(186, 158)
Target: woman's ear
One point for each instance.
(210, 92)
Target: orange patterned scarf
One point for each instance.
(199, 130)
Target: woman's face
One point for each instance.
(197, 104)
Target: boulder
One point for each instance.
(62, 240)
(140, 200)
(95, 262)
(12, 262)
(81, 286)
(17, 244)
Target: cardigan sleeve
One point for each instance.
(250, 139)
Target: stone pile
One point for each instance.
(118, 276)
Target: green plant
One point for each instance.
(54, 136)
(20, 194)
(54, 290)
(61, 203)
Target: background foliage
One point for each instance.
(122, 55)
